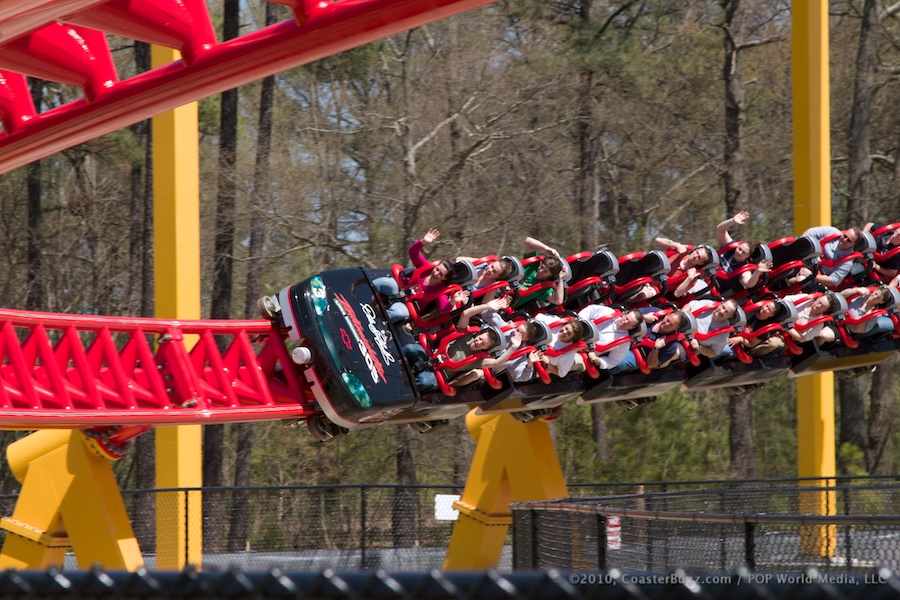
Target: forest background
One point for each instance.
(585, 124)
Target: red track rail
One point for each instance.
(77, 371)
(64, 41)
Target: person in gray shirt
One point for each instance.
(833, 250)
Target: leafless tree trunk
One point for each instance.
(741, 437)
(214, 435)
(740, 408)
(140, 302)
(852, 400)
(735, 184)
(600, 431)
(403, 503)
(859, 151)
(240, 499)
(35, 296)
(586, 182)
(140, 250)
(586, 198)
(883, 418)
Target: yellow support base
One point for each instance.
(513, 462)
(69, 498)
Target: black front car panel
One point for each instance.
(357, 358)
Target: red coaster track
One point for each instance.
(64, 41)
(78, 371)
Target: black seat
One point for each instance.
(601, 264)
(651, 264)
(802, 248)
(592, 279)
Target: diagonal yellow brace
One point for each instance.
(513, 462)
(69, 497)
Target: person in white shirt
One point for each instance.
(808, 308)
(560, 357)
(610, 331)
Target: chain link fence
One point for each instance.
(851, 525)
(715, 526)
(396, 527)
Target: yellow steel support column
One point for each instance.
(176, 243)
(812, 206)
(69, 497)
(513, 462)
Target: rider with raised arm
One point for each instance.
(736, 257)
(686, 265)
(551, 268)
(432, 284)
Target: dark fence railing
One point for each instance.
(851, 525)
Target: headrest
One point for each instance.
(761, 253)
(463, 273)
(841, 307)
(590, 334)
(607, 263)
(866, 243)
(690, 324)
(739, 318)
(894, 300)
(805, 248)
(542, 333)
(638, 333)
(518, 271)
(655, 263)
(786, 312)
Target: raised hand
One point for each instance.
(500, 303)
(460, 297)
(741, 217)
(430, 237)
(515, 340)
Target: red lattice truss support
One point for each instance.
(65, 41)
(77, 371)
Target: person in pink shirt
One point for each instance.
(431, 283)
